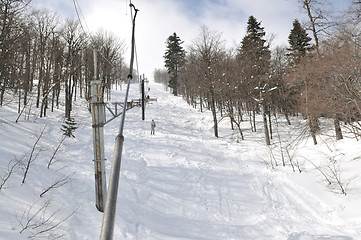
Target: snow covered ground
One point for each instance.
(181, 183)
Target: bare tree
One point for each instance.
(33, 155)
(41, 221)
(75, 43)
(283, 97)
(56, 151)
(210, 52)
(58, 183)
(110, 49)
(10, 37)
(320, 23)
(320, 18)
(161, 76)
(11, 169)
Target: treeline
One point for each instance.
(43, 55)
(319, 78)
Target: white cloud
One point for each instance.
(156, 20)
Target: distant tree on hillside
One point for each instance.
(161, 76)
(299, 45)
(299, 42)
(255, 52)
(11, 36)
(254, 58)
(208, 57)
(283, 97)
(322, 24)
(75, 43)
(174, 59)
(110, 49)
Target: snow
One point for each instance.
(182, 182)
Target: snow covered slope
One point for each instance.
(181, 183)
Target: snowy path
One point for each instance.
(182, 183)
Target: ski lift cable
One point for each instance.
(107, 230)
(80, 13)
(134, 49)
(136, 58)
(135, 45)
(92, 41)
(130, 75)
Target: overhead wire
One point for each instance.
(78, 10)
(81, 19)
(92, 41)
(107, 230)
(135, 45)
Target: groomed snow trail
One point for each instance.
(183, 183)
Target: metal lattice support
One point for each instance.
(98, 117)
(107, 230)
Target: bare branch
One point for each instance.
(58, 183)
(31, 159)
(43, 222)
(55, 152)
(10, 170)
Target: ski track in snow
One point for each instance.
(181, 183)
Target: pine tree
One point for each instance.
(254, 58)
(299, 45)
(69, 127)
(174, 60)
(299, 42)
(254, 51)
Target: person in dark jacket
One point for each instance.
(152, 127)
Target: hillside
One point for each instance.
(182, 182)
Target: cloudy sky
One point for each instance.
(158, 19)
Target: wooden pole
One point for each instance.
(98, 118)
(143, 103)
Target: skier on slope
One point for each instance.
(152, 127)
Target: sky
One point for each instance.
(158, 19)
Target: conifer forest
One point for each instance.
(315, 76)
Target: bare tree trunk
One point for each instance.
(265, 126)
(307, 6)
(313, 128)
(19, 100)
(39, 82)
(338, 131)
(31, 157)
(287, 117)
(254, 120)
(201, 103)
(214, 113)
(270, 123)
(27, 76)
(231, 113)
(68, 98)
(238, 126)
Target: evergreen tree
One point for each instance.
(254, 58)
(69, 127)
(254, 53)
(299, 42)
(299, 45)
(174, 60)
